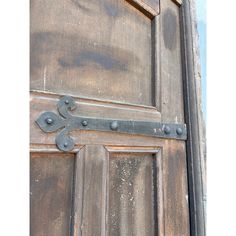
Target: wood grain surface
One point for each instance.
(91, 48)
(122, 60)
(51, 181)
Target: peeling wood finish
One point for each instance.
(132, 202)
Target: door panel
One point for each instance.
(120, 60)
(92, 49)
(132, 194)
(51, 182)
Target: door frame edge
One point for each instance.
(196, 142)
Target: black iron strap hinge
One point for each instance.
(51, 122)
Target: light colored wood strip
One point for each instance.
(156, 47)
(50, 148)
(160, 191)
(179, 2)
(78, 193)
(132, 149)
(145, 7)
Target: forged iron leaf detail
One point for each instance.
(50, 122)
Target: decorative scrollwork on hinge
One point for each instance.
(51, 122)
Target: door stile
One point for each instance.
(90, 191)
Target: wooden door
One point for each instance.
(119, 60)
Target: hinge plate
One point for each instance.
(66, 122)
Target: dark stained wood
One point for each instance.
(132, 189)
(51, 181)
(120, 60)
(92, 49)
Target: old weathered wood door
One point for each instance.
(119, 60)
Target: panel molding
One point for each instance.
(144, 7)
(132, 149)
(50, 148)
(95, 158)
(158, 154)
(178, 2)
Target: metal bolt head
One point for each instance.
(65, 145)
(49, 121)
(67, 102)
(179, 131)
(84, 122)
(114, 125)
(167, 130)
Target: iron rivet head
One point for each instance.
(114, 125)
(167, 130)
(49, 121)
(67, 102)
(65, 145)
(179, 131)
(84, 122)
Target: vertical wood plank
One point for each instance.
(90, 191)
(171, 67)
(176, 214)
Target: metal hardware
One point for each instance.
(167, 129)
(179, 131)
(114, 125)
(51, 122)
(84, 122)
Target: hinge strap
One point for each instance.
(51, 122)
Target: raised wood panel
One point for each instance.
(51, 181)
(132, 194)
(92, 49)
